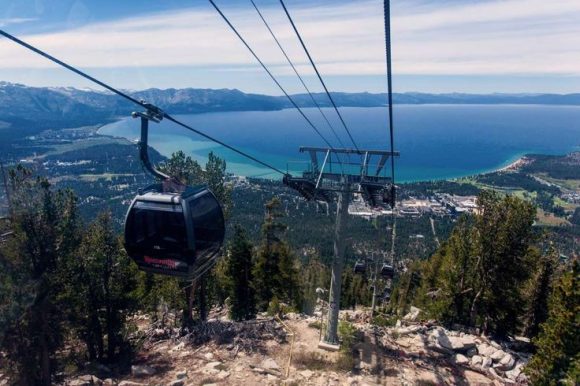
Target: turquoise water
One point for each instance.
(435, 141)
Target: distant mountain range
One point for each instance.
(47, 107)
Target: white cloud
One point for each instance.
(487, 37)
(15, 20)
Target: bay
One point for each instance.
(435, 141)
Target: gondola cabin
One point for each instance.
(360, 266)
(176, 234)
(387, 271)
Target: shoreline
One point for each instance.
(513, 166)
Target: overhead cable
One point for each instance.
(387, 14)
(319, 76)
(138, 102)
(270, 73)
(297, 73)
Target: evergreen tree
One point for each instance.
(315, 275)
(557, 359)
(275, 270)
(239, 271)
(44, 226)
(540, 287)
(98, 285)
(478, 276)
(503, 238)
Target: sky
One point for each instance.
(439, 46)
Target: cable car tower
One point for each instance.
(331, 176)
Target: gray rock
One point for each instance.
(79, 382)
(270, 364)
(471, 352)
(181, 374)
(476, 360)
(486, 363)
(506, 363)
(307, 374)
(412, 315)
(212, 365)
(498, 355)
(142, 370)
(468, 342)
(131, 383)
(485, 350)
(438, 341)
(495, 345)
(461, 359)
(514, 373)
(86, 380)
(177, 382)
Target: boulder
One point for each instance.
(412, 315)
(438, 341)
(498, 355)
(79, 382)
(270, 364)
(142, 370)
(485, 350)
(495, 345)
(514, 373)
(506, 363)
(471, 352)
(86, 380)
(476, 360)
(402, 331)
(486, 363)
(212, 365)
(461, 359)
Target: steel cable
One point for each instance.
(269, 73)
(319, 76)
(138, 102)
(297, 73)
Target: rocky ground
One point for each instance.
(270, 351)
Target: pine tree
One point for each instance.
(315, 275)
(503, 239)
(540, 287)
(99, 281)
(44, 226)
(478, 276)
(558, 345)
(275, 271)
(239, 271)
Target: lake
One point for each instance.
(435, 141)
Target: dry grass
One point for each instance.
(549, 219)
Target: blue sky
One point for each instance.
(478, 46)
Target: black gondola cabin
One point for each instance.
(176, 234)
(360, 266)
